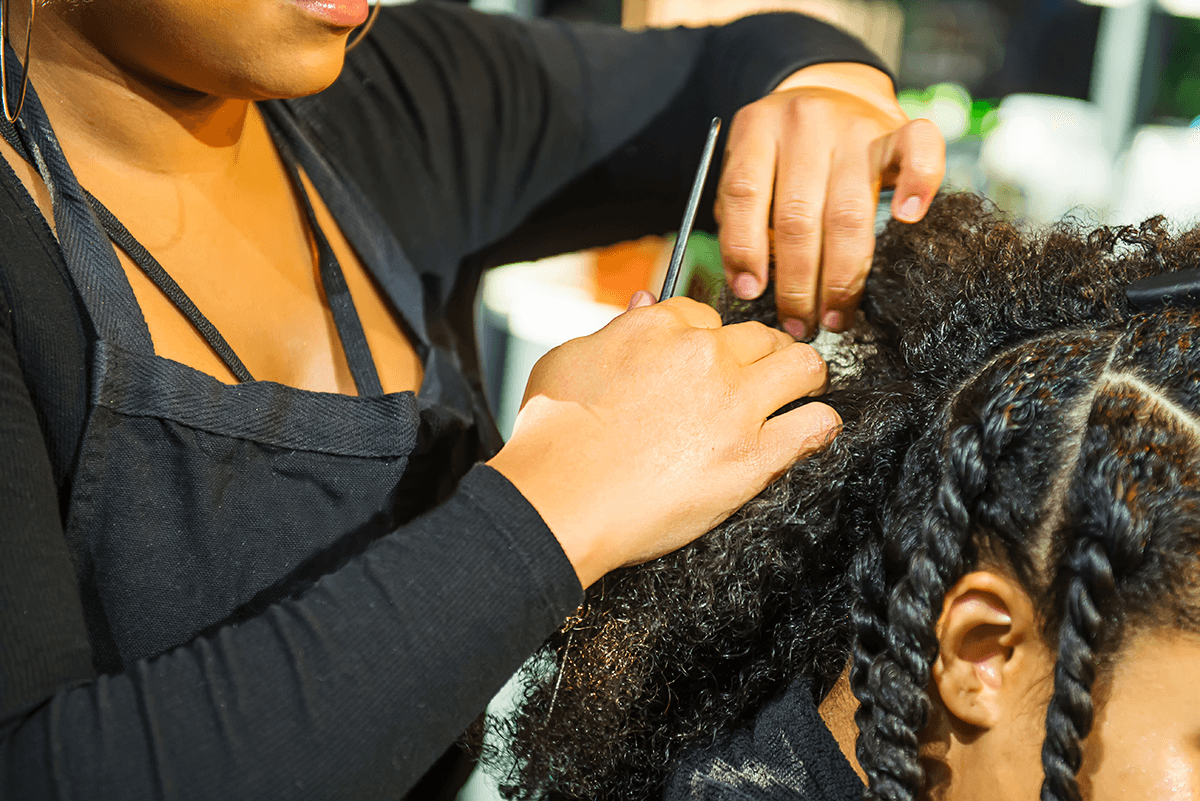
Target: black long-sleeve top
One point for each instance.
(479, 139)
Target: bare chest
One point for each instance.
(243, 253)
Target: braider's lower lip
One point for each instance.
(340, 13)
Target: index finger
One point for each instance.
(744, 195)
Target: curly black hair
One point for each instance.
(1000, 397)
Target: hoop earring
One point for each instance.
(365, 29)
(12, 117)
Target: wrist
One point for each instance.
(861, 80)
(552, 493)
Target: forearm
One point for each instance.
(350, 691)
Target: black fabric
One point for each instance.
(786, 754)
(255, 505)
(82, 240)
(337, 293)
(121, 237)
(260, 411)
(463, 139)
(327, 696)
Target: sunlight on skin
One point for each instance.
(1146, 742)
(989, 695)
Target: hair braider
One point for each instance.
(1104, 538)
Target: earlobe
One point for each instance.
(987, 624)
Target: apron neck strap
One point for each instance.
(360, 221)
(87, 230)
(89, 256)
(337, 292)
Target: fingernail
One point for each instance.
(909, 211)
(796, 328)
(832, 321)
(745, 286)
(829, 423)
(640, 298)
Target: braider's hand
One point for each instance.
(808, 162)
(636, 440)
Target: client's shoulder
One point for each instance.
(787, 752)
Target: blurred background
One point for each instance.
(1052, 108)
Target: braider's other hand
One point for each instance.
(636, 440)
(805, 166)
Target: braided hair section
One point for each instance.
(1134, 489)
(895, 651)
(992, 470)
(1090, 585)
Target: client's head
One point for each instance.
(1004, 542)
(1033, 604)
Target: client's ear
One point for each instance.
(990, 649)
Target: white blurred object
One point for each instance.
(521, 8)
(1050, 153)
(1181, 8)
(951, 114)
(1117, 67)
(1161, 175)
(542, 304)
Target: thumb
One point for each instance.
(800, 432)
(641, 298)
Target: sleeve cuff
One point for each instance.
(755, 54)
(514, 517)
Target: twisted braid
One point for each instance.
(870, 673)
(1069, 715)
(1106, 545)
(892, 661)
(868, 613)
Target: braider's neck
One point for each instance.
(108, 115)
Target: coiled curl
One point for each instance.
(1001, 403)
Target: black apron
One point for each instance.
(197, 503)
